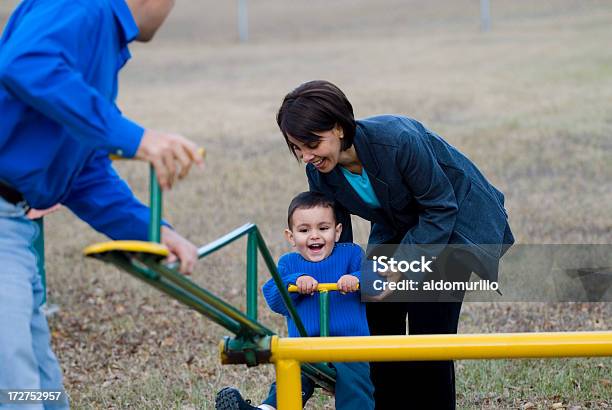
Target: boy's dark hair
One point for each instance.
(316, 106)
(309, 200)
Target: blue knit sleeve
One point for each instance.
(103, 200)
(356, 257)
(270, 290)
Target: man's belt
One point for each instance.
(9, 194)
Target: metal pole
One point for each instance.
(443, 347)
(267, 257)
(39, 247)
(196, 291)
(215, 313)
(243, 21)
(156, 208)
(324, 313)
(289, 385)
(225, 240)
(485, 15)
(252, 275)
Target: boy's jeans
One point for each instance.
(26, 359)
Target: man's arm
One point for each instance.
(42, 64)
(103, 200)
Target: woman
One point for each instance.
(416, 189)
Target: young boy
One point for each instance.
(313, 232)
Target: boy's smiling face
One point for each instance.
(314, 232)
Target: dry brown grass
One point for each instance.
(529, 102)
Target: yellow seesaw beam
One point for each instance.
(442, 347)
(288, 353)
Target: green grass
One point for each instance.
(512, 383)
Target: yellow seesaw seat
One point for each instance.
(149, 248)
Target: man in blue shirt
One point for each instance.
(59, 61)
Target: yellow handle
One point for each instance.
(115, 157)
(321, 287)
(202, 152)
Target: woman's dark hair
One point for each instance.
(309, 200)
(316, 106)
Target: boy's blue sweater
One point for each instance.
(347, 316)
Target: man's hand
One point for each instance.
(39, 213)
(180, 248)
(348, 283)
(307, 285)
(169, 154)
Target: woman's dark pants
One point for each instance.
(419, 385)
(413, 385)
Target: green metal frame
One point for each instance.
(251, 345)
(324, 313)
(155, 207)
(39, 247)
(254, 342)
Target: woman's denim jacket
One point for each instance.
(430, 193)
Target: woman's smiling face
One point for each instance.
(324, 154)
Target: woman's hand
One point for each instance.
(348, 283)
(390, 277)
(307, 285)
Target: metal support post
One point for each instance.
(252, 275)
(39, 247)
(324, 312)
(485, 15)
(156, 208)
(443, 347)
(288, 385)
(243, 21)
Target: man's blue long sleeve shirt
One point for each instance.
(59, 64)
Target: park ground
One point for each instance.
(530, 102)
